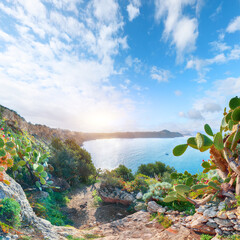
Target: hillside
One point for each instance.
(46, 133)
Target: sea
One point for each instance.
(109, 153)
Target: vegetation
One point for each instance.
(71, 162)
(96, 199)
(50, 207)
(163, 220)
(223, 146)
(155, 169)
(206, 237)
(10, 212)
(139, 184)
(124, 173)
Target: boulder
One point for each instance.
(140, 206)
(210, 213)
(223, 222)
(60, 184)
(139, 196)
(153, 207)
(111, 194)
(15, 191)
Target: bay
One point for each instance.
(109, 153)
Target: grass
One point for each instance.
(86, 236)
(206, 237)
(96, 199)
(70, 237)
(92, 236)
(163, 220)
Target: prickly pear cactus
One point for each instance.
(223, 146)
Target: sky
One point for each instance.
(127, 65)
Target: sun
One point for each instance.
(101, 121)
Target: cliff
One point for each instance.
(46, 133)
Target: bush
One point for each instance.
(152, 169)
(10, 212)
(186, 207)
(157, 191)
(124, 173)
(71, 162)
(206, 237)
(109, 178)
(50, 208)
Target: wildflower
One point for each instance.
(203, 160)
(2, 129)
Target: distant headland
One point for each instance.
(46, 133)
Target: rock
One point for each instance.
(15, 191)
(198, 221)
(161, 210)
(237, 227)
(238, 211)
(140, 206)
(222, 215)
(221, 206)
(223, 222)
(210, 213)
(40, 194)
(139, 196)
(218, 231)
(189, 218)
(201, 209)
(153, 207)
(60, 184)
(228, 229)
(111, 194)
(211, 223)
(231, 215)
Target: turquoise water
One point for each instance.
(109, 153)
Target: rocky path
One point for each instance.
(84, 213)
(133, 227)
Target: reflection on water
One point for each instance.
(109, 153)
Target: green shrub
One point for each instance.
(180, 206)
(109, 178)
(164, 220)
(140, 183)
(70, 237)
(206, 237)
(157, 168)
(50, 208)
(96, 199)
(10, 212)
(71, 162)
(124, 173)
(157, 191)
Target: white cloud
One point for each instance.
(161, 75)
(195, 114)
(135, 63)
(234, 25)
(192, 114)
(178, 93)
(181, 29)
(57, 69)
(217, 11)
(202, 65)
(220, 46)
(133, 9)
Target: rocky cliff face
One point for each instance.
(15, 191)
(46, 133)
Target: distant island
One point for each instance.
(46, 133)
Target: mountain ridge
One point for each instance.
(46, 133)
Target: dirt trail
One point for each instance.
(84, 214)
